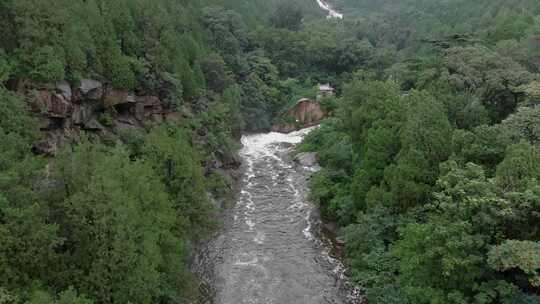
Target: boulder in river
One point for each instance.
(308, 159)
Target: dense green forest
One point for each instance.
(115, 219)
(431, 161)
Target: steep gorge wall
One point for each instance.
(65, 112)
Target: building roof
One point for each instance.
(325, 87)
(304, 100)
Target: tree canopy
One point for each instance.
(429, 162)
(430, 156)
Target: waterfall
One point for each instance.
(331, 12)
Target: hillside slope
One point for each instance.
(430, 162)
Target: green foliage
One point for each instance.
(99, 224)
(373, 265)
(232, 98)
(521, 164)
(217, 74)
(5, 67)
(255, 106)
(494, 77)
(423, 139)
(127, 219)
(430, 159)
(46, 65)
(439, 261)
(522, 255)
(70, 296)
(524, 124)
(480, 145)
(223, 122)
(6, 297)
(287, 15)
(28, 239)
(48, 41)
(227, 33)
(106, 119)
(123, 254)
(177, 164)
(29, 242)
(18, 129)
(39, 296)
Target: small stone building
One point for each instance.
(325, 90)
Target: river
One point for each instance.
(331, 12)
(270, 250)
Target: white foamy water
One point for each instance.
(269, 252)
(260, 145)
(331, 12)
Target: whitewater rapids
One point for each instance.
(331, 12)
(269, 251)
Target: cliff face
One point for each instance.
(65, 111)
(304, 114)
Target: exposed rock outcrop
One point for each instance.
(53, 104)
(304, 114)
(64, 111)
(89, 85)
(65, 89)
(113, 97)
